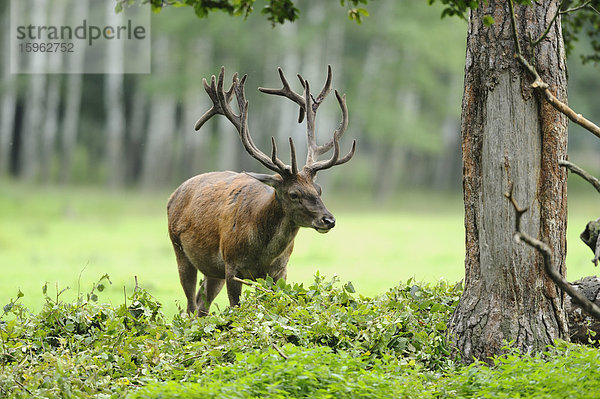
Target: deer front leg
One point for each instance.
(208, 291)
(234, 288)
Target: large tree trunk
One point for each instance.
(509, 134)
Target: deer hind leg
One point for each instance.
(188, 275)
(208, 291)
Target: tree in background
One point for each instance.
(402, 91)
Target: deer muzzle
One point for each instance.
(324, 224)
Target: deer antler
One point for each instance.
(308, 106)
(221, 106)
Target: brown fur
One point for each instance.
(227, 224)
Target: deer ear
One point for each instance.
(270, 180)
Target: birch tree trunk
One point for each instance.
(52, 118)
(157, 155)
(396, 154)
(8, 102)
(509, 134)
(194, 151)
(114, 103)
(29, 157)
(136, 125)
(73, 93)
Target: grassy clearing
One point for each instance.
(70, 237)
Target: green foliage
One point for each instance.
(577, 16)
(305, 373)
(587, 20)
(276, 11)
(563, 371)
(406, 324)
(85, 348)
(283, 341)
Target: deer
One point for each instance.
(233, 227)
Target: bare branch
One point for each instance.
(283, 355)
(511, 7)
(542, 87)
(250, 284)
(518, 210)
(578, 171)
(543, 35)
(590, 235)
(584, 5)
(587, 306)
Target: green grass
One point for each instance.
(70, 237)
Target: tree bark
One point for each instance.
(579, 321)
(510, 134)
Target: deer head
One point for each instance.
(295, 189)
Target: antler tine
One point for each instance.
(220, 103)
(320, 150)
(286, 91)
(315, 150)
(314, 167)
(326, 87)
(293, 157)
(272, 162)
(221, 100)
(311, 142)
(274, 158)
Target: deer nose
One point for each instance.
(328, 221)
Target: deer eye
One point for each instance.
(294, 196)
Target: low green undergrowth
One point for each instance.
(284, 340)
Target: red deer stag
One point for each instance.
(232, 226)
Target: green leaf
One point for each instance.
(488, 20)
(348, 287)
(363, 11)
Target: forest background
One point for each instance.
(87, 161)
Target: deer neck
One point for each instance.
(277, 230)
